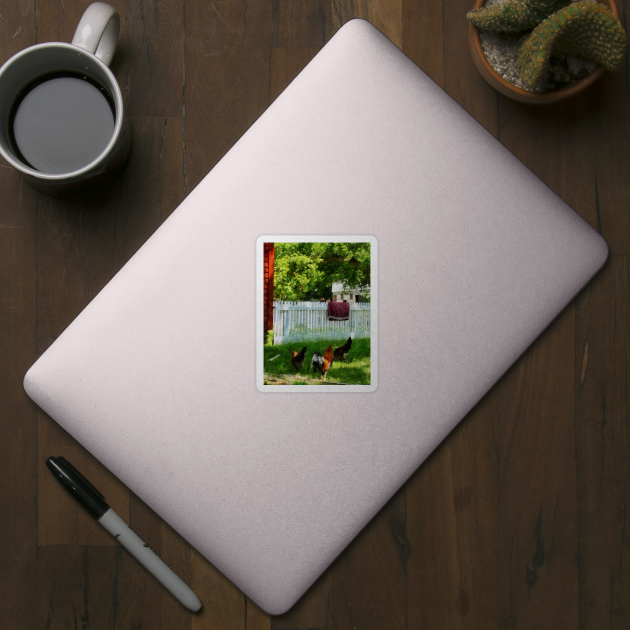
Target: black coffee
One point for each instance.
(61, 123)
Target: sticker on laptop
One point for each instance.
(316, 313)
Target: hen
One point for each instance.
(297, 358)
(342, 352)
(321, 363)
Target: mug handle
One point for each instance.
(98, 30)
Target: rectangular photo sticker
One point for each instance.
(316, 313)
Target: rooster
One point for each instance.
(342, 352)
(297, 358)
(321, 363)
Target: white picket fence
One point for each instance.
(308, 321)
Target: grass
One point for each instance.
(355, 370)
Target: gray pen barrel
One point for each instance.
(149, 559)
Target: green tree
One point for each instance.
(306, 271)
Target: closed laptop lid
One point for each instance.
(157, 377)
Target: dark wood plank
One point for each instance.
(154, 57)
(558, 147)
(461, 78)
(152, 185)
(537, 537)
(18, 420)
(76, 587)
(17, 28)
(422, 36)
(603, 443)
(369, 577)
(300, 23)
(452, 527)
(313, 610)
(60, 519)
(574, 149)
(386, 15)
(255, 618)
(570, 147)
(226, 78)
(57, 23)
(285, 64)
(608, 126)
(18, 415)
(142, 600)
(171, 160)
(224, 606)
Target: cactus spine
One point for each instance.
(513, 16)
(583, 29)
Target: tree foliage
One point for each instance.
(307, 271)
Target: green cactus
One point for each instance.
(584, 29)
(513, 16)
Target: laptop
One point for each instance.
(160, 376)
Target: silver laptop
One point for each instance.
(159, 377)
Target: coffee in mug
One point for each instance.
(65, 128)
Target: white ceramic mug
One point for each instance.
(87, 58)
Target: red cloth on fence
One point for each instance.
(338, 310)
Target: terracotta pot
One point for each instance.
(518, 94)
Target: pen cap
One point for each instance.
(78, 486)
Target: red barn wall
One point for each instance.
(268, 253)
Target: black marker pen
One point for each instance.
(94, 502)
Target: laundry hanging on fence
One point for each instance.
(339, 311)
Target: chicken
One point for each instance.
(297, 358)
(342, 352)
(321, 363)
(328, 356)
(317, 363)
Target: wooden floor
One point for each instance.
(518, 520)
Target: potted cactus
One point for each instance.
(558, 49)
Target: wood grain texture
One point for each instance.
(386, 15)
(461, 79)
(313, 610)
(18, 416)
(602, 380)
(224, 606)
(573, 149)
(422, 36)
(226, 78)
(452, 515)
(300, 23)
(151, 605)
(18, 424)
(285, 64)
(519, 519)
(151, 187)
(369, 577)
(76, 587)
(609, 133)
(154, 57)
(537, 509)
(60, 520)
